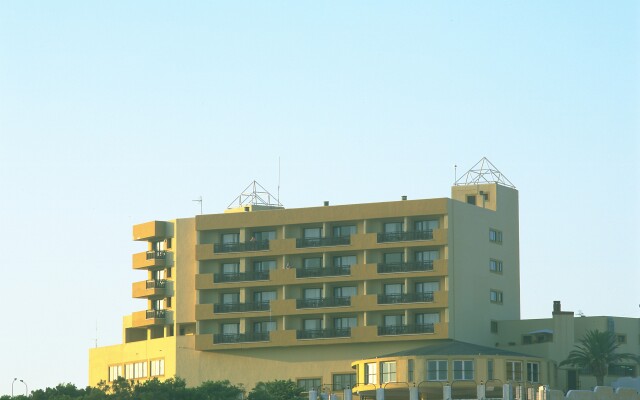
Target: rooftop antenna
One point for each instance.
(278, 199)
(455, 174)
(199, 200)
(96, 338)
(255, 194)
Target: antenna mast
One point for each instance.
(278, 199)
(199, 200)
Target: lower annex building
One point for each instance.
(260, 292)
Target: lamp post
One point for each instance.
(26, 388)
(14, 381)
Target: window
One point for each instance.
(168, 272)
(393, 288)
(514, 371)
(229, 238)
(344, 381)
(312, 263)
(410, 370)
(371, 373)
(312, 233)
(429, 225)
(463, 370)
(344, 291)
(489, 370)
(264, 235)
(115, 371)
(437, 370)
(230, 329)
(527, 339)
(342, 231)
(167, 302)
(345, 322)
(495, 296)
(471, 199)
(264, 326)
(495, 236)
(495, 266)
(427, 318)
(621, 370)
(312, 324)
(344, 261)
(427, 287)
(426, 256)
(393, 258)
(388, 371)
(312, 293)
(157, 367)
(309, 383)
(159, 245)
(263, 297)
(157, 305)
(393, 227)
(157, 275)
(264, 265)
(230, 298)
(135, 370)
(621, 339)
(494, 327)
(533, 372)
(394, 320)
(230, 268)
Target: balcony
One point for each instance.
(151, 288)
(326, 302)
(241, 337)
(156, 314)
(329, 271)
(326, 241)
(241, 277)
(149, 318)
(324, 333)
(404, 236)
(405, 329)
(426, 297)
(156, 255)
(414, 266)
(241, 307)
(241, 247)
(150, 259)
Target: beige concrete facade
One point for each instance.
(262, 293)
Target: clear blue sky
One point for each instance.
(118, 112)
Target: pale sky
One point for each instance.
(114, 113)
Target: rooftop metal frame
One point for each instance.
(483, 172)
(256, 195)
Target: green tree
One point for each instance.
(218, 390)
(276, 390)
(596, 351)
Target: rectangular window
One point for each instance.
(495, 296)
(427, 318)
(230, 298)
(342, 231)
(344, 291)
(310, 383)
(345, 322)
(371, 373)
(128, 371)
(495, 236)
(157, 367)
(393, 258)
(312, 233)
(463, 370)
(437, 370)
(344, 261)
(394, 288)
(410, 370)
(388, 371)
(489, 370)
(312, 324)
(264, 326)
(527, 339)
(312, 293)
(167, 302)
(230, 268)
(425, 226)
(393, 227)
(230, 329)
(343, 381)
(115, 371)
(494, 326)
(229, 238)
(426, 256)
(621, 339)
(427, 287)
(312, 263)
(533, 372)
(263, 235)
(263, 297)
(495, 266)
(264, 265)
(394, 320)
(471, 199)
(140, 370)
(514, 371)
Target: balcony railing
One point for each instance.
(404, 236)
(405, 329)
(241, 276)
(326, 241)
(158, 314)
(425, 297)
(328, 271)
(157, 284)
(324, 333)
(326, 302)
(156, 255)
(241, 337)
(241, 307)
(239, 247)
(413, 266)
